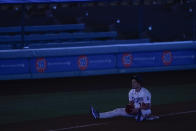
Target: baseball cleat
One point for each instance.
(94, 113)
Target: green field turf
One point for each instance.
(17, 108)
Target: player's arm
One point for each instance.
(146, 104)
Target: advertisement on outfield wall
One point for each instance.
(155, 59)
(172, 58)
(96, 62)
(81, 63)
(53, 64)
(72, 63)
(137, 59)
(14, 66)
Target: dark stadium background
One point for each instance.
(64, 100)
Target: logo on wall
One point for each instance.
(83, 62)
(167, 58)
(127, 59)
(41, 64)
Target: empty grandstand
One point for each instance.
(57, 38)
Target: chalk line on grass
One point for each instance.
(79, 126)
(99, 124)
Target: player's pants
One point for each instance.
(122, 112)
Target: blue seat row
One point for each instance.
(58, 36)
(86, 43)
(10, 38)
(44, 28)
(41, 1)
(50, 33)
(69, 36)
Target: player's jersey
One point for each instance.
(143, 96)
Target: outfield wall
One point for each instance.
(96, 60)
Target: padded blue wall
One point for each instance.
(96, 60)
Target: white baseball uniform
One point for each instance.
(143, 96)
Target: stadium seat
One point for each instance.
(69, 36)
(51, 33)
(10, 38)
(55, 28)
(14, 29)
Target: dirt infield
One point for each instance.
(182, 121)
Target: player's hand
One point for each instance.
(135, 111)
(129, 107)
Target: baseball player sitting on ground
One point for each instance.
(139, 106)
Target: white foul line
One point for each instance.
(177, 113)
(98, 124)
(80, 126)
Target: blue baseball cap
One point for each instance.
(137, 78)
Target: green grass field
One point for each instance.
(17, 108)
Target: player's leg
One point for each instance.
(115, 113)
(110, 114)
(148, 115)
(142, 115)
